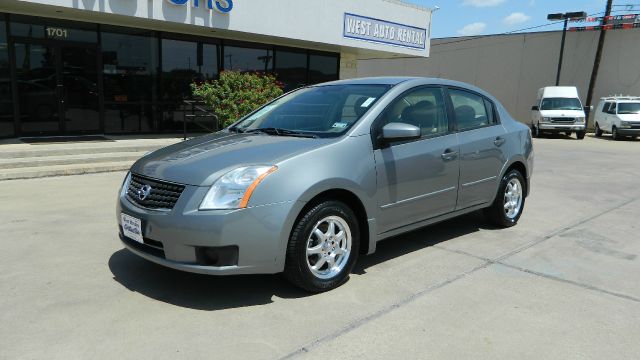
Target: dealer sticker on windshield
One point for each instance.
(339, 125)
(132, 228)
(368, 102)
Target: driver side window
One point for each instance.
(423, 108)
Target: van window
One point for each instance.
(560, 104)
(612, 109)
(605, 107)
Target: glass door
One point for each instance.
(57, 88)
(38, 90)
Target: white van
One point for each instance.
(558, 110)
(619, 116)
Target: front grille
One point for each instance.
(163, 195)
(563, 120)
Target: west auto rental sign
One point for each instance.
(384, 32)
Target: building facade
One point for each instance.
(125, 66)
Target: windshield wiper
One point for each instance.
(280, 132)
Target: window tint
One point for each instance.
(291, 69)
(469, 110)
(323, 68)
(605, 107)
(247, 59)
(423, 107)
(612, 109)
(6, 101)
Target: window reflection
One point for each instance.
(291, 69)
(247, 59)
(323, 68)
(6, 101)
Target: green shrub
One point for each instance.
(235, 94)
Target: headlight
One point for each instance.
(546, 119)
(624, 124)
(125, 184)
(580, 119)
(233, 190)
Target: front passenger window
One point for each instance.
(469, 109)
(424, 108)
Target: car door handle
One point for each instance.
(499, 141)
(449, 155)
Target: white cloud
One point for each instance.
(516, 18)
(483, 3)
(472, 29)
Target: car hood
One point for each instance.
(562, 113)
(201, 161)
(629, 117)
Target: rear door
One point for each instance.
(416, 179)
(482, 143)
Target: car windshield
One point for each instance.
(318, 111)
(560, 104)
(628, 108)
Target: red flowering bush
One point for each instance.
(235, 94)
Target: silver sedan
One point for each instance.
(310, 181)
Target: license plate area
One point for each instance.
(132, 228)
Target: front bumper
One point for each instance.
(629, 131)
(561, 127)
(174, 238)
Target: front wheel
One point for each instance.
(509, 203)
(614, 133)
(536, 131)
(580, 134)
(323, 247)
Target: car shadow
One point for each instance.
(210, 293)
(608, 137)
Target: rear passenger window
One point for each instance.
(491, 114)
(470, 110)
(422, 107)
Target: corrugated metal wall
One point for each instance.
(514, 67)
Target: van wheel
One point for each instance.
(323, 247)
(509, 202)
(568, 133)
(580, 134)
(598, 130)
(614, 133)
(536, 131)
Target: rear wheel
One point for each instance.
(509, 203)
(598, 130)
(580, 135)
(323, 247)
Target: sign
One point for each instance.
(57, 33)
(223, 6)
(384, 32)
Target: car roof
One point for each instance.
(415, 81)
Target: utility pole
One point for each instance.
(596, 62)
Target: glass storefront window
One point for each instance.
(323, 68)
(6, 100)
(209, 68)
(291, 69)
(129, 71)
(247, 59)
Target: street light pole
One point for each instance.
(566, 17)
(564, 35)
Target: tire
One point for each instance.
(498, 213)
(614, 133)
(536, 131)
(306, 248)
(598, 130)
(580, 134)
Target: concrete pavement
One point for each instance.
(561, 284)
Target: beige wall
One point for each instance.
(514, 67)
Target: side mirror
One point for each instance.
(400, 131)
(588, 108)
(535, 108)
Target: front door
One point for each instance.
(417, 180)
(57, 88)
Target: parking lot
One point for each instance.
(561, 284)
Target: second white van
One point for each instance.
(558, 110)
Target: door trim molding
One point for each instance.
(402, 202)
(479, 181)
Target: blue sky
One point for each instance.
(479, 17)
